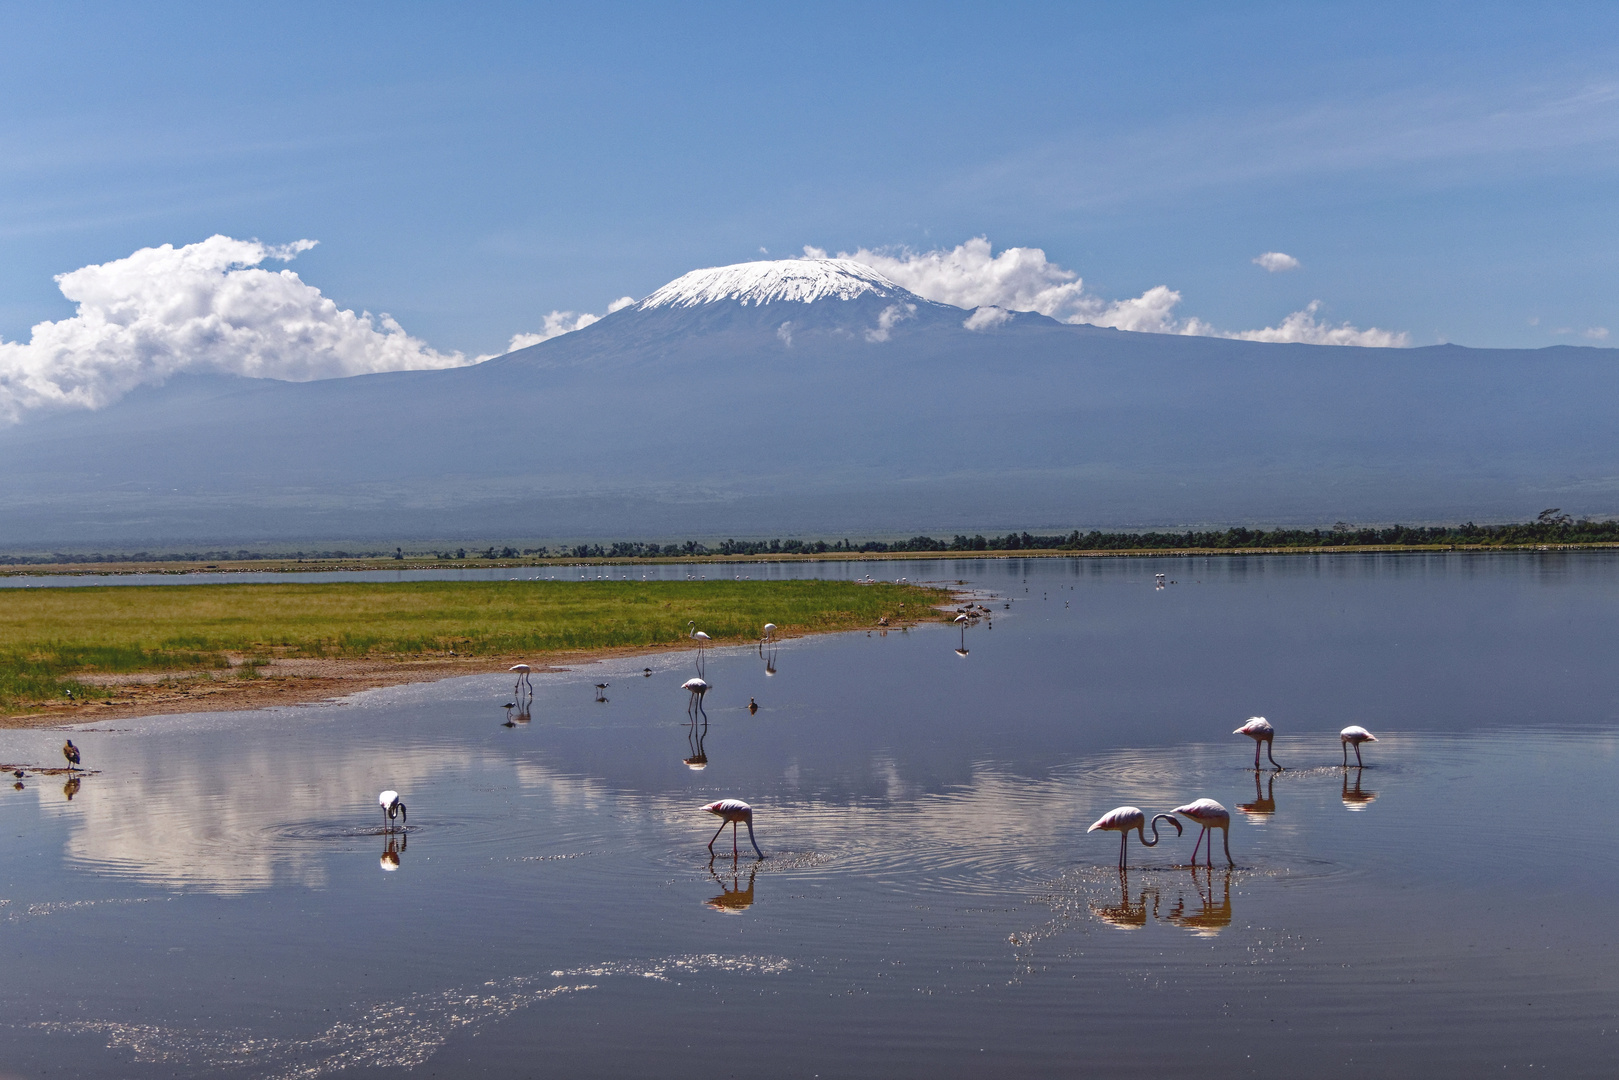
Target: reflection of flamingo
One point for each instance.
(1354, 798)
(1210, 815)
(1264, 802)
(694, 742)
(733, 899)
(1124, 818)
(522, 678)
(392, 808)
(731, 812)
(1258, 729)
(1124, 914)
(1213, 917)
(698, 688)
(391, 853)
(1353, 735)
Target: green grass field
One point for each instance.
(49, 636)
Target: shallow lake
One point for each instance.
(219, 896)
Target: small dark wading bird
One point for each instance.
(1353, 735)
(731, 812)
(753, 706)
(1124, 818)
(71, 752)
(392, 808)
(698, 688)
(601, 686)
(1210, 815)
(1258, 729)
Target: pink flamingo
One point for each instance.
(730, 812)
(1124, 818)
(1210, 815)
(1258, 729)
(1354, 735)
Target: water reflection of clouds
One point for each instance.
(173, 821)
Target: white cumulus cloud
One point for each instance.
(202, 307)
(1276, 262)
(972, 276)
(562, 322)
(891, 316)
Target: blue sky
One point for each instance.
(1444, 170)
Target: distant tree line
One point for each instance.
(1549, 527)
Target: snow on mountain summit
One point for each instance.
(797, 280)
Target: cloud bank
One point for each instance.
(202, 307)
(971, 275)
(562, 322)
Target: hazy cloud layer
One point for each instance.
(971, 275)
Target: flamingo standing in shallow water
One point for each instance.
(522, 678)
(698, 688)
(1210, 815)
(1354, 735)
(392, 807)
(1258, 729)
(730, 812)
(770, 631)
(702, 640)
(1124, 818)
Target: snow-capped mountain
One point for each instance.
(815, 396)
(796, 281)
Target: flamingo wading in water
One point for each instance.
(698, 688)
(1210, 815)
(730, 812)
(1124, 818)
(1258, 729)
(1353, 735)
(392, 807)
(522, 678)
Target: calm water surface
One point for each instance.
(219, 898)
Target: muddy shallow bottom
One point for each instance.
(224, 898)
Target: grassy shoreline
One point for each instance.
(100, 642)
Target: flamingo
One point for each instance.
(731, 811)
(392, 807)
(697, 635)
(1258, 729)
(522, 678)
(1210, 815)
(770, 631)
(71, 752)
(698, 688)
(1124, 818)
(1353, 735)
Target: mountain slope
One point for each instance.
(804, 397)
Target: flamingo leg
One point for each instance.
(1256, 753)
(733, 840)
(715, 837)
(1124, 838)
(1346, 754)
(1199, 843)
(1358, 762)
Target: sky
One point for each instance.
(1427, 173)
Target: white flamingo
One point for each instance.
(1258, 729)
(1124, 818)
(1210, 815)
(1354, 735)
(730, 812)
(392, 807)
(770, 631)
(698, 688)
(522, 678)
(702, 640)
